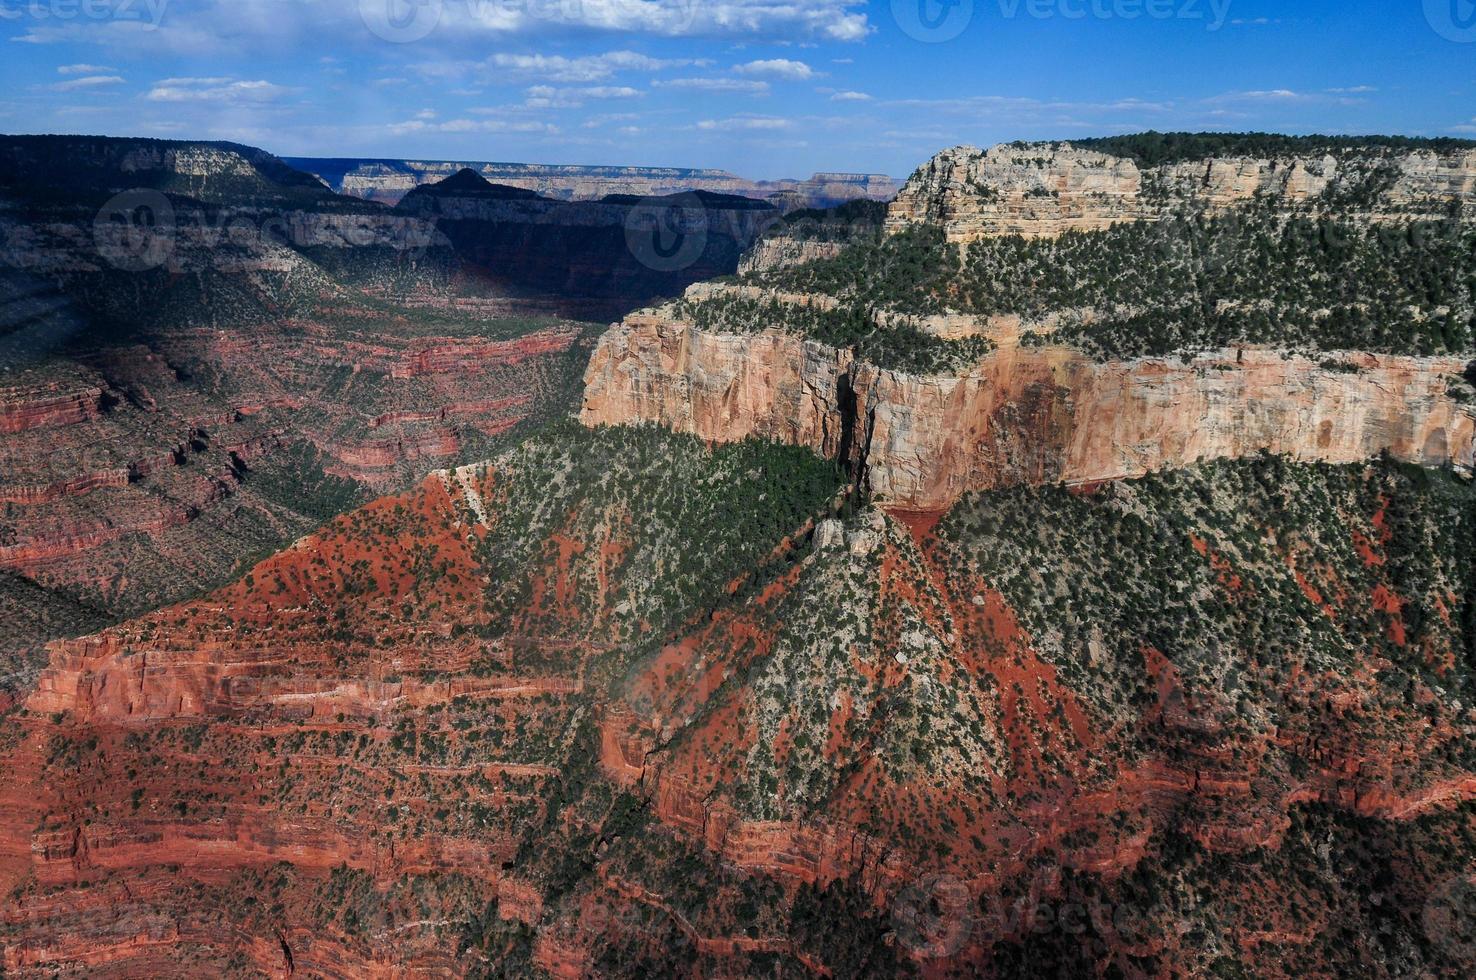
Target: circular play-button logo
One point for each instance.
(667, 234)
(135, 230)
(1454, 20)
(400, 21)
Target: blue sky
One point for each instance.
(764, 88)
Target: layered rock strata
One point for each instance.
(1045, 189)
(1025, 415)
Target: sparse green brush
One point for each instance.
(1099, 577)
(1152, 149)
(1146, 288)
(900, 346)
(689, 519)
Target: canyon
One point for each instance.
(320, 768)
(278, 354)
(388, 181)
(719, 641)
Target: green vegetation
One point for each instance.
(849, 222)
(1152, 149)
(899, 345)
(690, 519)
(1187, 282)
(1099, 577)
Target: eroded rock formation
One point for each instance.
(1044, 189)
(1025, 415)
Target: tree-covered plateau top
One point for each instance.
(1187, 282)
(851, 221)
(897, 345)
(1153, 149)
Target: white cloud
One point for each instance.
(87, 81)
(1286, 96)
(749, 85)
(835, 20)
(850, 97)
(746, 123)
(793, 71)
(85, 69)
(589, 68)
(1263, 95)
(549, 97)
(594, 122)
(610, 92)
(224, 90)
(412, 126)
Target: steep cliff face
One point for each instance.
(719, 387)
(1025, 415)
(1044, 189)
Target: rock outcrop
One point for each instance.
(772, 254)
(1044, 189)
(1025, 415)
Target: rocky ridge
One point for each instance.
(1045, 189)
